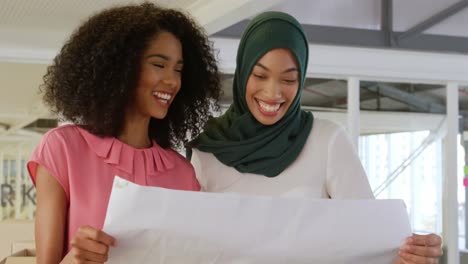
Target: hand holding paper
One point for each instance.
(155, 225)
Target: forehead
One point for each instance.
(280, 58)
(164, 42)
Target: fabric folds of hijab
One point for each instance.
(236, 138)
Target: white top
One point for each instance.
(327, 167)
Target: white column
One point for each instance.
(353, 110)
(450, 177)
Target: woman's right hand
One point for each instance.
(89, 246)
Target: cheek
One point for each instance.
(249, 93)
(179, 84)
(290, 93)
(251, 88)
(146, 81)
(148, 77)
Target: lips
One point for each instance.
(164, 98)
(268, 108)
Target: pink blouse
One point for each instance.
(85, 166)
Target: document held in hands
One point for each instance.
(156, 225)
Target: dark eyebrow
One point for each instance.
(164, 57)
(262, 66)
(291, 70)
(266, 68)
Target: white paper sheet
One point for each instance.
(155, 225)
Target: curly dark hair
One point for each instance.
(95, 75)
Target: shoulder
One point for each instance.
(324, 132)
(206, 163)
(324, 125)
(322, 139)
(65, 131)
(60, 136)
(212, 174)
(54, 153)
(66, 141)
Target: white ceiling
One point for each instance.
(365, 14)
(58, 15)
(409, 13)
(45, 24)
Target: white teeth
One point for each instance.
(163, 96)
(268, 107)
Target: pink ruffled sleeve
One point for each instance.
(51, 154)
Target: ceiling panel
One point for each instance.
(409, 13)
(364, 14)
(59, 15)
(457, 25)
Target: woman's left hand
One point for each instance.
(421, 249)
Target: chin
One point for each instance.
(269, 123)
(158, 115)
(266, 121)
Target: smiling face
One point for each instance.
(272, 86)
(160, 76)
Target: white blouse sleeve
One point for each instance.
(346, 178)
(197, 166)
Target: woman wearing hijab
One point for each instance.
(266, 145)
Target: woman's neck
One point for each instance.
(135, 132)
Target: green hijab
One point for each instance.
(236, 138)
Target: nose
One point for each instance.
(273, 90)
(171, 78)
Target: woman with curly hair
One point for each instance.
(136, 81)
